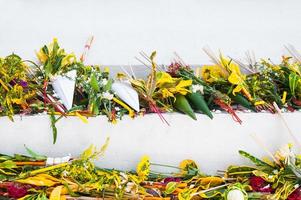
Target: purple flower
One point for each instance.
(23, 83)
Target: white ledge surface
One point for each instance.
(213, 144)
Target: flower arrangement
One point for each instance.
(40, 177)
(18, 88)
(62, 85)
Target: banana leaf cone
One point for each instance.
(183, 105)
(240, 99)
(198, 103)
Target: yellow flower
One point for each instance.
(40, 180)
(164, 78)
(120, 76)
(56, 193)
(172, 89)
(131, 111)
(107, 69)
(237, 79)
(18, 101)
(296, 68)
(276, 67)
(68, 59)
(229, 65)
(181, 87)
(283, 100)
(257, 103)
(42, 56)
(238, 88)
(166, 93)
(143, 168)
(186, 164)
(211, 73)
(170, 86)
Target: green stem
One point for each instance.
(162, 165)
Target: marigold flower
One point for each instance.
(143, 168)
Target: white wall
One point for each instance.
(122, 28)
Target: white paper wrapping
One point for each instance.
(64, 87)
(127, 94)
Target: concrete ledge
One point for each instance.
(213, 144)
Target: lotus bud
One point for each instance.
(235, 194)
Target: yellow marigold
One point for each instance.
(186, 164)
(143, 168)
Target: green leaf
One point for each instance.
(48, 68)
(293, 82)
(108, 85)
(34, 154)
(93, 153)
(94, 83)
(240, 170)
(70, 192)
(55, 47)
(88, 152)
(4, 157)
(57, 64)
(54, 129)
(171, 187)
(45, 50)
(8, 164)
(255, 160)
(153, 55)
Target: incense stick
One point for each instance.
(142, 62)
(286, 125)
(133, 73)
(264, 147)
(291, 49)
(86, 49)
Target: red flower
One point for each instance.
(174, 68)
(17, 190)
(171, 179)
(296, 195)
(258, 184)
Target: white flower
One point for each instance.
(104, 81)
(129, 187)
(107, 95)
(196, 88)
(124, 178)
(235, 195)
(65, 173)
(86, 166)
